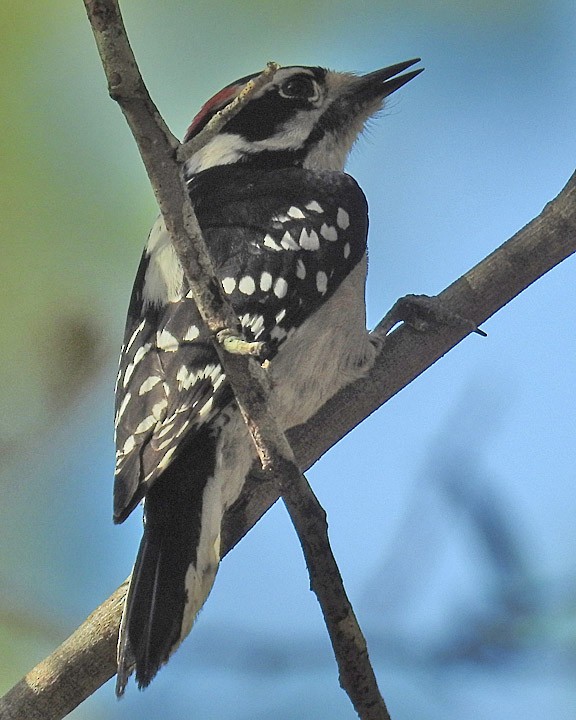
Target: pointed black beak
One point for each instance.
(384, 82)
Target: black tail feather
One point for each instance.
(154, 608)
(152, 620)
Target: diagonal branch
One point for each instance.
(486, 288)
(87, 659)
(160, 151)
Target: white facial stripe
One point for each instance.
(331, 151)
(227, 148)
(224, 149)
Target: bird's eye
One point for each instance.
(301, 86)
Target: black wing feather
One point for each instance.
(281, 244)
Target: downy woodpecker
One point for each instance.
(286, 229)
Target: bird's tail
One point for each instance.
(175, 567)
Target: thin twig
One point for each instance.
(223, 117)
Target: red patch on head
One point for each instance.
(210, 108)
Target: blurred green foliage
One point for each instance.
(65, 232)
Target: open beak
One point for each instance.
(381, 83)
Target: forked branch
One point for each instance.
(160, 152)
(87, 658)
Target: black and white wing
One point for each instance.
(281, 243)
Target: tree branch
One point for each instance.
(534, 250)
(87, 659)
(160, 152)
(82, 664)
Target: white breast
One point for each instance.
(330, 350)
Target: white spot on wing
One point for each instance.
(288, 242)
(166, 459)
(346, 251)
(296, 213)
(118, 375)
(300, 269)
(183, 427)
(257, 325)
(134, 334)
(166, 428)
(166, 341)
(247, 285)
(129, 445)
(148, 384)
(206, 408)
(215, 373)
(138, 355)
(309, 241)
(271, 243)
(209, 370)
(280, 287)
(265, 281)
(321, 281)
(218, 381)
(141, 352)
(254, 322)
(229, 285)
(329, 232)
(277, 220)
(122, 408)
(342, 219)
(185, 378)
(314, 207)
(192, 333)
(159, 408)
(128, 374)
(145, 425)
(165, 443)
